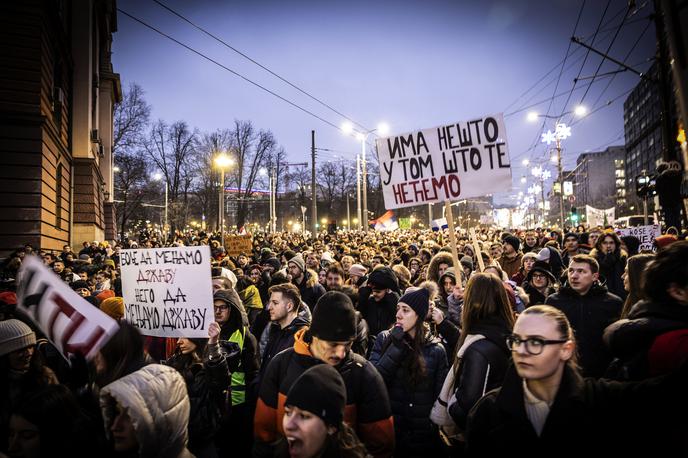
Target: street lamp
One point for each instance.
(159, 177)
(382, 129)
(561, 132)
(223, 162)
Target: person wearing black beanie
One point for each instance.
(333, 327)
(413, 365)
(313, 416)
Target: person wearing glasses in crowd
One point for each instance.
(545, 404)
(539, 283)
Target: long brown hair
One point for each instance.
(636, 268)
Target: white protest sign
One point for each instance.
(71, 323)
(646, 235)
(168, 291)
(449, 162)
(595, 216)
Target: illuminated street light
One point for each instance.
(223, 162)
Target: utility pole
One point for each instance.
(358, 191)
(561, 185)
(430, 216)
(314, 212)
(365, 183)
(348, 214)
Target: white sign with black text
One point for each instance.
(445, 163)
(168, 291)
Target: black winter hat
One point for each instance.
(418, 300)
(320, 390)
(274, 263)
(513, 241)
(571, 234)
(542, 267)
(79, 284)
(467, 261)
(383, 277)
(334, 318)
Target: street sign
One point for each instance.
(572, 198)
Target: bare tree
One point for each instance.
(172, 149)
(130, 184)
(131, 119)
(206, 186)
(251, 150)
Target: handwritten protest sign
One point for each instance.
(449, 162)
(646, 235)
(238, 244)
(597, 217)
(71, 323)
(167, 291)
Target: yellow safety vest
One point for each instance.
(238, 383)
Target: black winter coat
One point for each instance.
(535, 296)
(589, 315)
(280, 339)
(206, 384)
(415, 434)
(629, 340)
(587, 415)
(482, 369)
(612, 267)
(379, 315)
(310, 294)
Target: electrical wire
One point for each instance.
(229, 69)
(244, 55)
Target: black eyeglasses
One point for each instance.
(534, 345)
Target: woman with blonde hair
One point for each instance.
(545, 404)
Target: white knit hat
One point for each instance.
(15, 335)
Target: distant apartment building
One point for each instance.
(643, 134)
(599, 179)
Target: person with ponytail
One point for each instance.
(413, 365)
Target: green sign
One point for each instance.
(404, 223)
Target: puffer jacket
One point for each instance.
(416, 435)
(589, 315)
(482, 368)
(156, 400)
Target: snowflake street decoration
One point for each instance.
(545, 175)
(560, 133)
(548, 137)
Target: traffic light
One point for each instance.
(645, 185)
(574, 214)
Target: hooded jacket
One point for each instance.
(155, 399)
(367, 408)
(589, 315)
(235, 331)
(434, 267)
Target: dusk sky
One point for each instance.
(411, 64)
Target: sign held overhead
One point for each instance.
(449, 162)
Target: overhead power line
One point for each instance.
(244, 55)
(295, 105)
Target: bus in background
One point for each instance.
(633, 220)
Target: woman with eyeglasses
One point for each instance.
(539, 283)
(545, 404)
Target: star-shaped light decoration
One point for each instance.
(545, 175)
(560, 133)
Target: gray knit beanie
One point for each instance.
(15, 335)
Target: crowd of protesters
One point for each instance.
(356, 344)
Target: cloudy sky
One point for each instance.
(411, 64)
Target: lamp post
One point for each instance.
(222, 161)
(159, 177)
(561, 132)
(542, 175)
(382, 129)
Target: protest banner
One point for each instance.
(446, 163)
(404, 223)
(238, 244)
(598, 217)
(646, 235)
(71, 323)
(168, 291)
